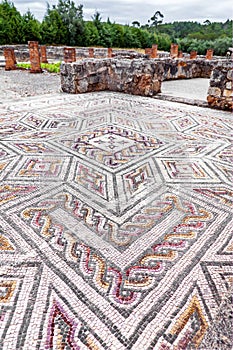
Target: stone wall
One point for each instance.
(188, 68)
(220, 93)
(138, 77)
(57, 52)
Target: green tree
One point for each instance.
(117, 35)
(53, 29)
(96, 18)
(10, 24)
(156, 19)
(91, 34)
(30, 27)
(136, 24)
(63, 24)
(72, 18)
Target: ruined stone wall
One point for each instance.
(220, 93)
(188, 68)
(138, 77)
(57, 52)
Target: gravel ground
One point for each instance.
(21, 83)
(186, 88)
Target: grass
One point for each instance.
(50, 67)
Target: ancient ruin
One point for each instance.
(43, 54)
(69, 54)
(129, 76)
(174, 50)
(126, 70)
(34, 57)
(220, 93)
(116, 208)
(10, 60)
(136, 76)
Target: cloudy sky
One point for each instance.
(126, 11)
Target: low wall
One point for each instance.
(187, 68)
(57, 52)
(220, 92)
(138, 77)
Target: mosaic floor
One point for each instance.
(115, 222)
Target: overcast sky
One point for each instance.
(126, 11)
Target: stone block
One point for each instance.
(229, 85)
(227, 93)
(230, 74)
(214, 91)
(34, 57)
(210, 99)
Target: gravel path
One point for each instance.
(21, 83)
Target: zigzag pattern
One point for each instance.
(114, 250)
(107, 278)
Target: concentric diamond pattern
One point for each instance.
(115, 222)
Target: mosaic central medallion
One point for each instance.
(111, 146)
(112, 143)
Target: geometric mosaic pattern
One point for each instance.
(115, 222)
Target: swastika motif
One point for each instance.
(115, 222)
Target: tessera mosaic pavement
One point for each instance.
(115, 217)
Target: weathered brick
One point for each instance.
(10, 60)
(34, 57)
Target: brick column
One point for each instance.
(43, 54)
(148, 51)
(34, 57)
(91, 52)
(174, 50)
(180, 54)
(193, 55)
(154, 51)
(69, 54)
(109, 52)
(209, 54)
(10, 60)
